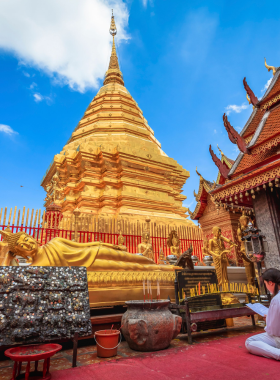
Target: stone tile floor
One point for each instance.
(87, 351)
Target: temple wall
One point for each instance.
(227, 221)
(266, 206)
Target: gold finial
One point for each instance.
(249, 100)
(270, 67)
(113, 28)
(198, 172)
(220, 150)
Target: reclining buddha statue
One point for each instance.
(96, 256)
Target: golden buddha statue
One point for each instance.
(219, 253)
(173, 242)
(145, 247)
(4, 250)
(249, 266)
(95, 256)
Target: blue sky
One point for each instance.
(183, 62)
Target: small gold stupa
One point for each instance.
(113, 165)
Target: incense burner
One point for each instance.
(149, 326)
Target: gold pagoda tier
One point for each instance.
(113, 165)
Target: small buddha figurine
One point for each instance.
(249, 266)
(161, 258)
(121, 242)
(145, 247)
(173, 242)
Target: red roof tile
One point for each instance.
(250, 160)
(275, 90)
(245, 177)
(271, 127)
(254, 123)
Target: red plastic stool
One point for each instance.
(29, 354)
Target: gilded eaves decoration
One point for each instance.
(271, 102)
(249, 184)
(267, 145)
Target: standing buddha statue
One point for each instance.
(249, 266)
(219, 253)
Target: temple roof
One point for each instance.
(262, 134)
(228, 162)
(201, 197)
(261, 107)
(207, 186)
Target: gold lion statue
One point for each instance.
(96, 256)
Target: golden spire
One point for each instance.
(220, 150)
(113, 74)
(113, 28)
(270, 67)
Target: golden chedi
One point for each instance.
(113, 165)
(114, 275)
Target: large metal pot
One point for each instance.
(149, 326)
(172, 259)
(208, 260)
(194, 259)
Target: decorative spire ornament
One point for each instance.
(224, 170)
(234, 136)
(253, 98)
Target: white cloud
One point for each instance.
(67, 39)
(39, 97)
(235, 108)
(7, 129)
(266, 85)
(145, 3)
(215, 130)
(32, 86)
(26, 74)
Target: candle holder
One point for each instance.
(256, 248)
